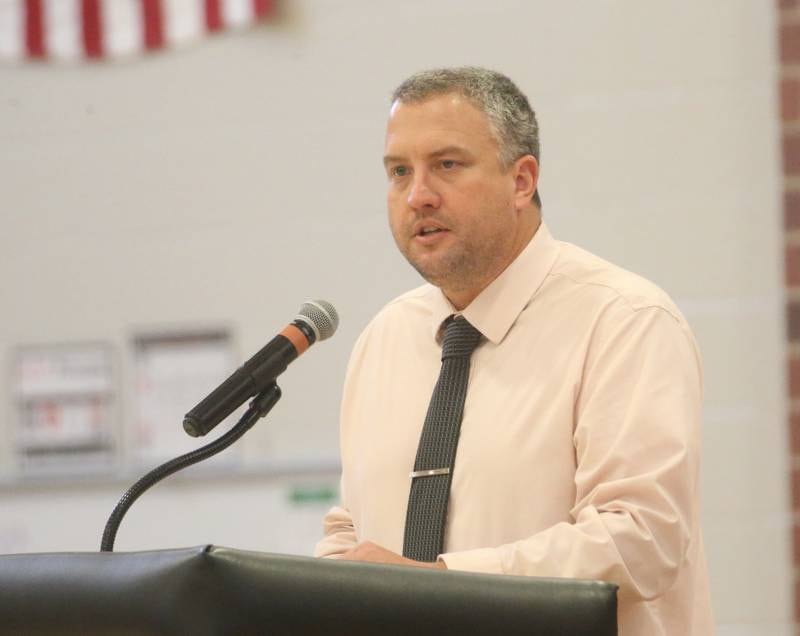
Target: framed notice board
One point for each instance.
(64, 408)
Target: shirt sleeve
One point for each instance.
(339, 534)
(636, 437)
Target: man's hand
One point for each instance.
(373, 553)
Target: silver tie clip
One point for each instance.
(429, 473)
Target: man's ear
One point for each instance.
(526, 177)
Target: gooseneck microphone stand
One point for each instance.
(259, 407)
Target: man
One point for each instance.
(579, 441)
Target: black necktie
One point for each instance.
(433, 469)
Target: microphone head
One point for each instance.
(321, 316)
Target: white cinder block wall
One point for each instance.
(226, 183)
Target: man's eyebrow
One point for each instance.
(447, 150)
(387, 159)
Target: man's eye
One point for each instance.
(399, 171)
(448, 164)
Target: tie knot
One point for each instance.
(460, 338)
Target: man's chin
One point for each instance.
(430, 274)
(438, 275)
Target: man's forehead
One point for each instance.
(437, 122)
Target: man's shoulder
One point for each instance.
(419, 298)
(411, 308)
(588, 273)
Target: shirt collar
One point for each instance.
(497, 307)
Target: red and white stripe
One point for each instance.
(93, 29)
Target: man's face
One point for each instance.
(452, 209)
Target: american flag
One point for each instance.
(75, 30)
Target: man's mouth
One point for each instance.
(430, 230)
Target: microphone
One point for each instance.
(316, 320)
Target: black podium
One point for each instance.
(216, 591)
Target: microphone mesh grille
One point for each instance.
(323, 315)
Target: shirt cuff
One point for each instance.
(484, 560)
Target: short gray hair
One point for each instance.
(510, 116)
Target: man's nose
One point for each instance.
(421, 194)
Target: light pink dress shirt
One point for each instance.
(579, 446)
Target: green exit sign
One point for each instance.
(325, 494)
